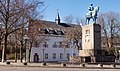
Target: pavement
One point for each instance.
(60, 65)
(9, 68)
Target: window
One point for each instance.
(54, 55)
(51, 31)
(35, 44)
(46, 55)
(67, 45)
(74, 54)
(9, 36)
(68, 56)
(61, 55)
(45, 44)
(60, 44)
(54, 45)
(59, 32)
(42, 30)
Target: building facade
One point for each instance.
(53, 46)
(53, 50)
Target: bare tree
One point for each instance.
(1, 35)
(32, 35)
(79, 21)
(34, 41)
(6, 14)
(74, 33)
(11, 11)
(69, 19)
(76, 20)
(35, 35)
(13, 44)
(33, 13)
(110, 23)
(20, 34)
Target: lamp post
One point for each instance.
(25, 38)
(20, 54)
(71, 43)
(43, 54)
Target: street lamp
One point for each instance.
(20, 54)
(43, 54)
(25, 38)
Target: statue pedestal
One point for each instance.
(91, 42)
(91, 45)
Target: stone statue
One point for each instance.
(92, 14)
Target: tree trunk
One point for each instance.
(6, 32)
(21, 55)
(15, 54)
(29, 54)
(4, 49)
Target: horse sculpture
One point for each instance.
(92, 15)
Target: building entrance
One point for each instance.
(36, 57)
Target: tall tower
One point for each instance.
(57, 19)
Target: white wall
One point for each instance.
(50, 50)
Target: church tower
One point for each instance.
(57, 19)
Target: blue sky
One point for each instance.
(77, 7)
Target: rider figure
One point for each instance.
(91, 8)
(92, 13)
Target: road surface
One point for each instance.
(10, 68)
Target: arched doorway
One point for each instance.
(36, 57)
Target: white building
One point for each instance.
(54, 48)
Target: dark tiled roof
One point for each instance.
(65, 25)
(48, 27)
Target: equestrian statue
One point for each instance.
(92, 14)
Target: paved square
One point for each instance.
(9, 68)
